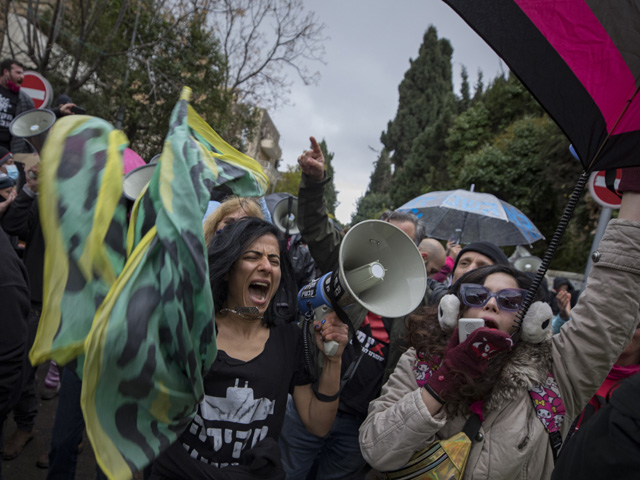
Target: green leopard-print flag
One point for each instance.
(134, 304)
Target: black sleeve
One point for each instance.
(21, 216)
(607, 445)
(15, 303)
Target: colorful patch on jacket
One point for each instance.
(422, 370)
(548, 404)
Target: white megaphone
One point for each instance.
(138, 178)
(380, 268)
(33, 126)
(284, 215)
(530, 263)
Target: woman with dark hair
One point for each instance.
(520, 382)
(260, 361)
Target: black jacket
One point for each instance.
(22, 219)
(606, 446)
(14, 306)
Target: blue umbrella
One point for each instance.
(472, 217)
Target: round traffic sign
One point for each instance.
(38, 88)
(599, 191)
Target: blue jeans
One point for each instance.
(67, 430)
(337, 454)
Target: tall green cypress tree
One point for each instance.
(426, 107)
(380, 180)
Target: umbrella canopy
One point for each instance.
(475, 216)
(579, 59)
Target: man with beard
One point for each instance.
(13, 101)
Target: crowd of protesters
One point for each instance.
(536, 393)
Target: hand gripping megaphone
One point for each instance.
(284, 215)
(33, 126)
(379, 267)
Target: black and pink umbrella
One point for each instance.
(581, 61)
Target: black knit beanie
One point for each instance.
(5, 155)
(488, 249)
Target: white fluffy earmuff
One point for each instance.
(448, 312)
(536, 325)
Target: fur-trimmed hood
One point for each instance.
(528, 365)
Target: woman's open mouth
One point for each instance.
(490, 323)
(258, 291)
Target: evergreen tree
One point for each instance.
(507, 100)
(370, 206)
(289, 181)
(421, 93)
(465, 95)
(469, 131)
(380, 180)
(426, 107)
(479, 89)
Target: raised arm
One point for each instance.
(607, 312)
(313, 219)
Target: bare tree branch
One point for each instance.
(262, 40)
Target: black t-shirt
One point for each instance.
(8, 106)
(366, 383)
(245, 401)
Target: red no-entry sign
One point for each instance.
(38, 88)
(599, 191)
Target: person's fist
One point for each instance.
(485, 343)
(630, 180)
(312, 162)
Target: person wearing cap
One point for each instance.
(474, 255)
(7, 192)
(7, 165)
(13, 101)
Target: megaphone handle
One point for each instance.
(331, 346)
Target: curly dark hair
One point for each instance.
(430, 341)
(226, 248)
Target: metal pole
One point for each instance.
(605, 216)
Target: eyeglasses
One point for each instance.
(509, 299)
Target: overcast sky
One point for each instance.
(367, 54)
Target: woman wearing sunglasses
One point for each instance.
(497, 370)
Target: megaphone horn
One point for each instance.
(284, 215)
(33, 126)
(380, 268)
(529, 263)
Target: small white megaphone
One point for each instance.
(138, 178)
(380, 268)
(529, 263)
(284, 215)
(33, 126)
